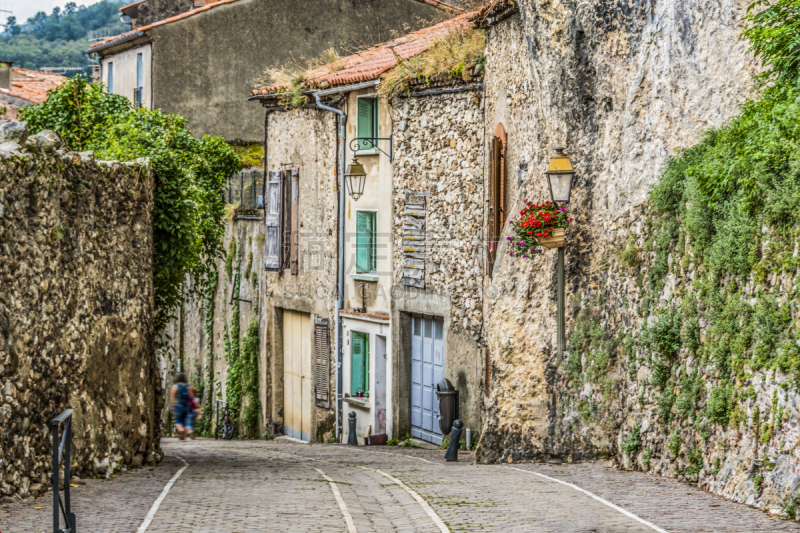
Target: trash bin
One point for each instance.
(448, 405)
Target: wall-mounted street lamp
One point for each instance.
(559, 177)
(559, 180)
(354, 178)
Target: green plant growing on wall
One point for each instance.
(647, 457)
(250, 360)
(230, 258)
(695, 458)
(674, 444)
(206, 423)
(233, 378)
(249, 266)
(633, 443)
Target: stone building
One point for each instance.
(76, 311)
(20, 87)
(200, 59)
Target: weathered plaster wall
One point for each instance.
(622, 86)
(76, 312)
(439, 148)
(198, 76)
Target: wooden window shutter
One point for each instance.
(365, 241)
(359, 362)
(295, 222)
(367, 122)
(322, 352)
(273, 217)
(494, 206)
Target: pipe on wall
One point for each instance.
(340, 273)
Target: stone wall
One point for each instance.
(439, 150)
(76, 310)
(623, 86)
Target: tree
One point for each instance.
(70, 8)
(11, 26)
(189, 205)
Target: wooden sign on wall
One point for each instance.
(414, 238)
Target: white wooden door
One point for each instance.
(298, 389)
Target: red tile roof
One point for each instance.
(32, 85)
(209, 4)
(372, 62)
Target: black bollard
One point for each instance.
(351, 436)
(455, 436)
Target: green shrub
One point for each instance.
(674, 444)
(633, 443)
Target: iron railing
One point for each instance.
(246, 189)
(62, 448)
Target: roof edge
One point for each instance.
(122, 39)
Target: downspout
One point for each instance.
(340, 274)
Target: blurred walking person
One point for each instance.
(182, 406)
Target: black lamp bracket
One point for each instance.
(374, 141)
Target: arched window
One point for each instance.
(499, 197)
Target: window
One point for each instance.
(282, 217)
(359, 363)
(366, 257)
(273, 218)
(138, 96)
(110, 78)
(368, 123)
(499, 207)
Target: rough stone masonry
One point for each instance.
(76, 310)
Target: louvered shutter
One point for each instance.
(322, 352)
(359, 362)
(295, 221)
(365, 241)
(367, 119)
(273, 215)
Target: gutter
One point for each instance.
(340, 274)
(128, 37)
(323, 92)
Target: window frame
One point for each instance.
(366, 367)
(374, 127)
(110, 77)
(374, 256)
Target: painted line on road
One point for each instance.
(157, 503)
(348, 518)
(428, 509)
(594, 496)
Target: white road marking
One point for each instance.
(428, 509)
(157, 503)
(348, 518)
(598, 498)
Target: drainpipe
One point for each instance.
(340, 276)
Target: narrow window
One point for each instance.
(359, 363)
(110, 79)
(273, 217)
(294, 221)
(367, 123)
(498, 209)
(366, 258)
(137, 92)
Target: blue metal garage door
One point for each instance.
(427, 369)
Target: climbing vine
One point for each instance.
(233, 380)
(252, 410)
(205, 425)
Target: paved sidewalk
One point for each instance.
(249, 486)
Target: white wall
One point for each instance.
(125, 77)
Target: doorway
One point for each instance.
(381, 379)
(427, 369)
(298, 386)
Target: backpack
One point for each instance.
(183, 395)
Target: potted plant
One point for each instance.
(538, 225)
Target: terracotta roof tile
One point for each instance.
(32, 85)
(374, 61)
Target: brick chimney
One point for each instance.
(5, 75)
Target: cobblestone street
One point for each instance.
(249, 486)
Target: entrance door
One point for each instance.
(427, 369)
(297, 383)
(380, 385)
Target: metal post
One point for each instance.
(56, 482)
(68, 475)
(560, 302)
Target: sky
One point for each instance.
(24, 9)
